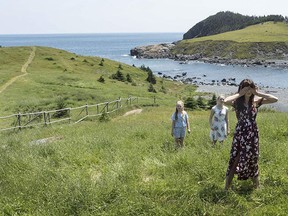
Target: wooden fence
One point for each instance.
(70, 115)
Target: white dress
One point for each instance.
(219, 124)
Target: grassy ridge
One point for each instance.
(56, 73)
(267, 40)
(126, 166)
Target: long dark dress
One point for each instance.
(246, 144)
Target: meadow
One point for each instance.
(125, 165)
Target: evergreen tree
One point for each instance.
(151, 78)
(151, 88)
(190, 103)
(128, 78)
(212, 102)
(201, 103)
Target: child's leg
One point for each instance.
(177, 144)
(181, 142)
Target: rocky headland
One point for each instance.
(165, 50)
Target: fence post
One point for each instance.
(45, 118)
(48, 117)
(97, 109)
(19, 120)
(120, 102)
(107, 107)
(69, 114)
(86, 109)
(154, 99)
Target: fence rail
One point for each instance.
(75, 115)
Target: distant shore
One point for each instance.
(281, 93)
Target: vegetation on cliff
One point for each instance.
(262, 41)
(227, 21)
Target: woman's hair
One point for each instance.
(176, 112)
(239, 103)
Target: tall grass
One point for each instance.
(128, 166)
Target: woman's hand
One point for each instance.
(244, 90)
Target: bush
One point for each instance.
(212, 102)
(191, 103)
(128, 78)
(60, 104)
(101, 79)
(104, 117)
(151, 88)
(151, 78)
(201, 103)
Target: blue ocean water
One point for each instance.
(116, 46)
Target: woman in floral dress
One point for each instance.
(245, 145)
(219, 121)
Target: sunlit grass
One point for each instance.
(129, 166)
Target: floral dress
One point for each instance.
(219, 124)
(246, 144)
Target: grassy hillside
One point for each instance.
(125, 166)
(55, 73)
(254, 41)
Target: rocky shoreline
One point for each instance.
(281, 93)
(160, 51)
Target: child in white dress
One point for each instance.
(219, 121)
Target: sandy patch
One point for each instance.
(136, 111)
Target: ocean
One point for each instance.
(116, 46)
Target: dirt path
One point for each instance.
(23, 70)
(136, 111)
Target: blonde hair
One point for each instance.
(182, 105)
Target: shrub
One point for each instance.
(191, 103)
(151, 78)
(212, 102)
(201, 103)
(101, 79)
(60, 104)
(128, 78)
(104, 117)
(151, 88)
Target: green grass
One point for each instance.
(128, 165)
(265, 32)
(257, 41)
(56, 73)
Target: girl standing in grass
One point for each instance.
(219, 121)
(180, 121)
(245, 146)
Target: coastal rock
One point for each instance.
(153, 51)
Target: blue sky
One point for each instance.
(111, 16)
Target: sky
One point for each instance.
(121, 16)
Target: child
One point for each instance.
(180, 122)
(219, 124)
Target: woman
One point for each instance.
(219, 121)
(245, 146)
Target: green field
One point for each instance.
(257, 41)
(125, 165)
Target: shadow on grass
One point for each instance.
(217, 195)
(213, 194)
